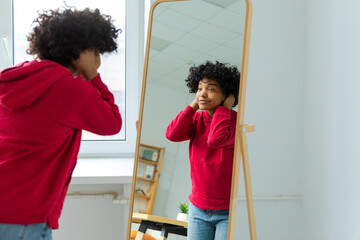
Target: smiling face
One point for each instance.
(209, 95)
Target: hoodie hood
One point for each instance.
(22, 84)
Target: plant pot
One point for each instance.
(182, 217)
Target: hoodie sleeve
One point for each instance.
(102, 116)
(182, 127)
(88, 105)
(222, 129)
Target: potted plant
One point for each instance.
(183, 214)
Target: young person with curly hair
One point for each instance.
(44, 106)
(212, 136)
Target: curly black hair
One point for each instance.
(62, 34)
(228, 77)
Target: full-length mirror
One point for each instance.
(182, 34)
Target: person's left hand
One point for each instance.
(229, 101)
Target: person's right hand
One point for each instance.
(88, 63)
(195, 105)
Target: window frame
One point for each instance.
(134, 40)
(6, 33)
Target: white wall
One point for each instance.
(331, 195)
(92, 219)
(275, 96)
(275, 104)
(89, 212)
(6, 42)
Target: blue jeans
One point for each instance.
(25, 232)
(207, 224)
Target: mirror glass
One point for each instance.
(184, 34)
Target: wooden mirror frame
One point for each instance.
(240, 148)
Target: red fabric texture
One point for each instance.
(211, 153)
(43, 109)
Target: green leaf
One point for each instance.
(184, 207)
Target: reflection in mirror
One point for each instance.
(184, 34)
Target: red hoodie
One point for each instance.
(43, 109)
(211, 153)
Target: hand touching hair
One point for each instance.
(227, 76)
(61, 35)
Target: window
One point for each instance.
(6, 53)
(120, 71)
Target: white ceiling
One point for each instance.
(185, 33)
